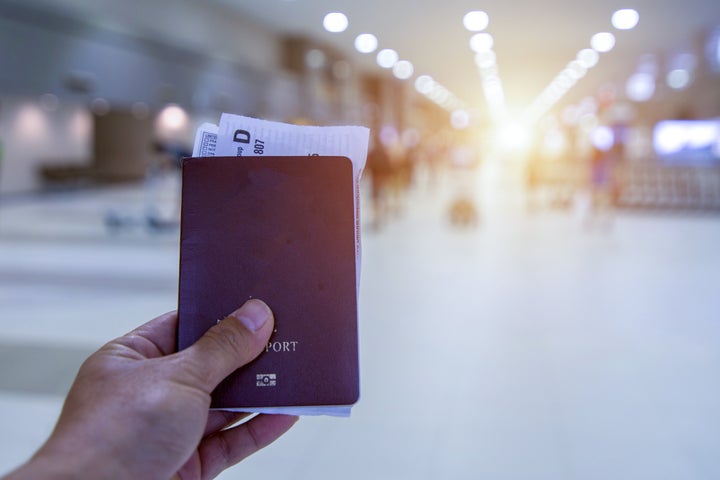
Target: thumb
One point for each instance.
(227, 346)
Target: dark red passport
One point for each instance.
(280, 229)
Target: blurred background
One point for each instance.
(539, 293)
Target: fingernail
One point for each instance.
(254, 314)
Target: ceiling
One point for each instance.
(533, 40)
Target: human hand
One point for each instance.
(139, 411)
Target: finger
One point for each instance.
(228, 447)
(220, 419)
(227, 346)
(156, 338)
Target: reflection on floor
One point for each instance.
(524, 348)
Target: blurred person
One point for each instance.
(379, 171)
(533, 176)
(603, 164)
(465, 163)
(140, 410)
(399, 169)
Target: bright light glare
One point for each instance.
(602, 42)
(172, 118)
(514, 136)
(588, 57)
(673, 136)
(578, 71)
(678, 79)
(366, 43)
(555, 142)
(603, 138)
(625, 19)
(335, 22)
(403, 69)
(485, 60)
(640, 87)
(387, 57)
(476, 21)
(460, 119)
(481, 42)
(669, 137)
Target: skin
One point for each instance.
(137, 409)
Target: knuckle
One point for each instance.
(230, 340)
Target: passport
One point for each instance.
(280, 229)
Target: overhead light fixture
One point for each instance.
(476, 21)
(602, 42)
(424, 84)
(335, 22)
(625, 19)
(588, 57)
(481, 42)
(403, 69)
(366, 43)
(387, 57)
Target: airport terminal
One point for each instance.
(537, 218)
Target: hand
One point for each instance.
(139, 411)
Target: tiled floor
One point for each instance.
(526, 348)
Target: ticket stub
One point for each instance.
(238, 136)
(205, 140)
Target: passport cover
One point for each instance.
(280, 229)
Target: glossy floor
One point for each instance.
(527, 347)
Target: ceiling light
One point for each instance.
(481, 42)
(485, 60)
(476, 21)
(403, 69)
(366, 43)
(625, 19)
(387, 57)
(602, 42)
(588, 57)
(335, 22)
(424, 84)
(578, 70)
